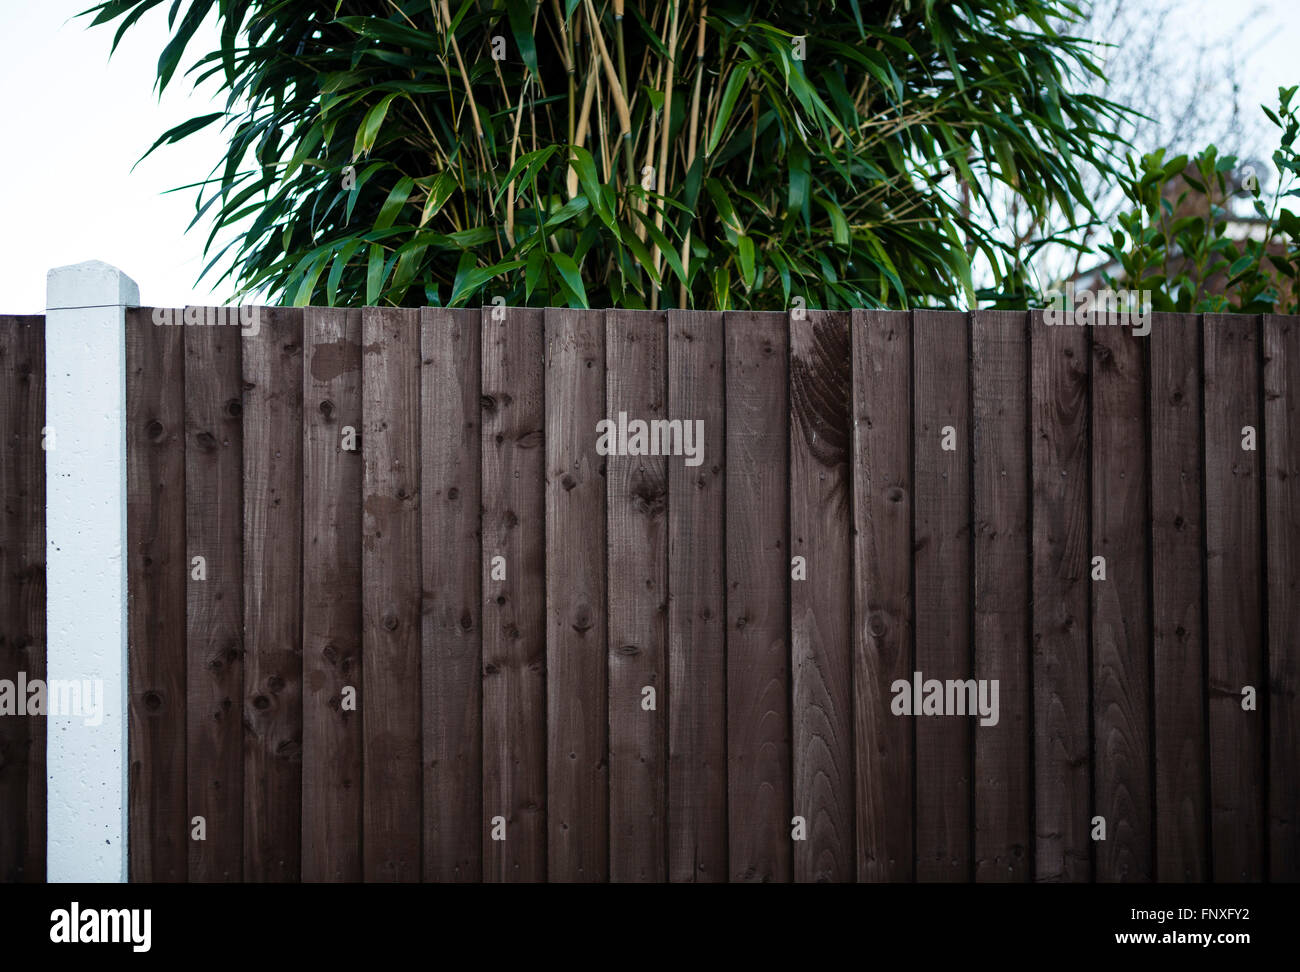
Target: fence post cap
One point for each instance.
(90, 284)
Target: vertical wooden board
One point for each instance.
(821, 603)
(999, 393)
(214, 619)
(942, 565)
(390, 571)
(272, 597)
(514, 601)
(637, 497)
(1176, 573)
(1282, 482)
(1234, 608)
(331, 596)
(697, 672)
(1121, 645)
(22, 592)
(758, 577)
(156, 577)
(1062, 745)
(882, 610)
(450, 507)
(576, 684)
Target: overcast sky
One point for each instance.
(74, 123)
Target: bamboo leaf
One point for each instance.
(443, 186)
(368, 131)
(571, 275)
(745, 252)
(735, 83)
(394, 203)
(521, 25)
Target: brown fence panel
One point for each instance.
(22, 592)
(941, 437)
(1121, 645)
(441, 630)
(1061, 665)
(1177, 575)
(637, 567)
(390, 573)
(1234, 611)
(1003, 757)
(821, 595)
(1282, 481)
(157, 572)
(331, 596)
(514, 596)
(214, 656)
(576, 635)
(450, 507)
(882, 611)
(697, 659)
(758, 586)
(272, 497)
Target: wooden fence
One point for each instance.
(22, 594)
(400, 647)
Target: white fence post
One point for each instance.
(85, 504)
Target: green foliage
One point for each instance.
(661, 158)
(1184, 251)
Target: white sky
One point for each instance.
(74, 123)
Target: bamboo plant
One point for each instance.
(674, 153)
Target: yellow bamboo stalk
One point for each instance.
(622, 54)
(692, 142)
(566, 52)
(460, 65)
(602, 139)
(514, 152)
(652, 139)
(662, 173)
(617, 92)
(584, 121)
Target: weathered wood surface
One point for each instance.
(879, 494)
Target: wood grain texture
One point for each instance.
(510, 591)
(1182, 832)
(758, 597)
(999, 393)
(272, 368)
(514, 606)
(214, 636)
(390, 622)
(1282, 484)
(697, 672)
(1234, 609)
(1121, 676)
(156, 578)
(450, 507)
(331, 595)
(637, 535)
(821, 605)
(22, 592)
(882, 611)
(576, 643)
(941, 562)
(1061, 664)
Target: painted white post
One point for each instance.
(85, 526)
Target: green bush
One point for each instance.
(1178, 243)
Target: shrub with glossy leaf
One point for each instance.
(670, 154)
(1181, 242)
